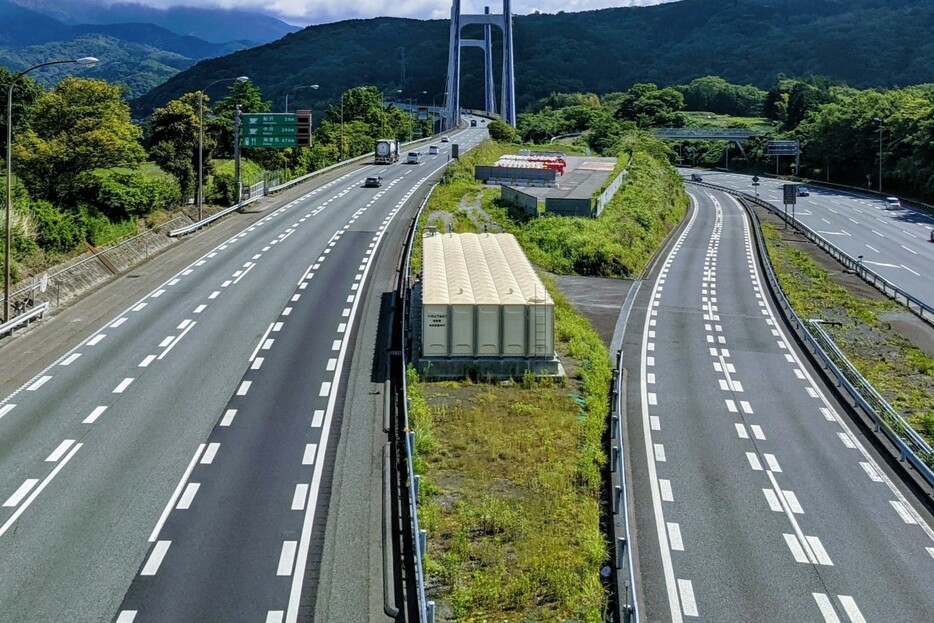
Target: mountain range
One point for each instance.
(138, 46)
(864, 43)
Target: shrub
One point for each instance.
(56, 231)
(119, 194)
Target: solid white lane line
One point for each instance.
(155, 558)
(35, 493)
(188, 497)
(871, 471)
(772, 499)
(145, 362)
(674, 537)
(244, 388)
(287, 558)
(6, 409)
(59, 451)
(119, 389)
(309, 457)
(96, 413)
(793, 502)
(795, 546)
(21, 492)
(299, 497)
(851, 609)
(664, 487)
(42, 381)
(228, 417)
(686, 589)
(826, 608)
(178, 491)
(846, 440)
(819, 552)
(210, 453)
(902, 512)
(169, 348)
(70, 359)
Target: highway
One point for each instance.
(177, 463)
(755, 497)
(893, 243)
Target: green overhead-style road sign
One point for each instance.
(268, 141)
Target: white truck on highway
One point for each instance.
(387, 151)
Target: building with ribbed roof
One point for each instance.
(482, 309)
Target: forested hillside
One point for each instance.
(862, 42)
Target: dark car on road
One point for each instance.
(803, 191)
(373, 182)
(696, 177)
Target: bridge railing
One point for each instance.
(910, 447)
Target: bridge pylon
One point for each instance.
(457, 42)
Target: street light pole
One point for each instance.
(201, 141)
(307, 86)
(86, 61)
(880, 152)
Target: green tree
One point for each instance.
(25, 94)
(502, 132)
(174, 139)
(80, 125)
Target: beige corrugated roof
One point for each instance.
(479, 269)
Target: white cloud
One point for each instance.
(324, 11)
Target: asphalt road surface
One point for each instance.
(895, 243)
(177, 463)
(755, 498)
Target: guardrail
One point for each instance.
(426, 608)
(181, 231)
(627, 604)
(913, 304)
(17, 321)
(906, 440)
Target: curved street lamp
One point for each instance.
(307, 86)
(201, 140)
(86, 61)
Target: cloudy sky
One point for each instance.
(304, 12)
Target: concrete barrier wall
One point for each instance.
(569, 207)
(78, 275)
(527, 203)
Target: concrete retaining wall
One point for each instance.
(527, 203)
